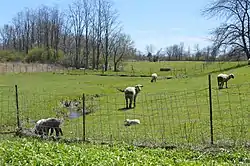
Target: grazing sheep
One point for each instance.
(38, 129)
(43, 125)
(154, 77)
(129, 122)
(221, 78)
(131, 94)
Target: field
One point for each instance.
(35, 152)
(172, 111)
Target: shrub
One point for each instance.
(9, 55)
(43, 55)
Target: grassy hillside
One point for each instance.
(172, 111)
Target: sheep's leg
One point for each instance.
(51, 131)
(134, 101)
(47, 131)
(222, 84)
(60, 130)
(130, 103)
(57, 131)
(226, 84)
(126, 102)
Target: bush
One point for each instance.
(43, 55)
(9, 56)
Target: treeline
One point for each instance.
(177, 52)
(88, 34)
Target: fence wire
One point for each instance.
(167, 118)
(7, 109)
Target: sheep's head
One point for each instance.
(126, 120)
(138, 87)
(231, 75)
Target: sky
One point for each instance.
(161, 23)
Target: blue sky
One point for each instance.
(158, 22)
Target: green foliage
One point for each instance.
(35, 152)
(43, 55)
(10, 56)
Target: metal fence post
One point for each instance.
(83, 117)
(17, 108)
(211, 109)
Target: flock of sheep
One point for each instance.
(43, 126)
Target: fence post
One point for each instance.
(17, 108)
(83, 117)
(211, 109)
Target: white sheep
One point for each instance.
(43, 126)
(129, 122)
(38, 129)
(154, 77)
(223, 78)
(131, 94)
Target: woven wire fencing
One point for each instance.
(231, 114)
(8, 122)
(167, 118)
(34, 107)
(180, 117)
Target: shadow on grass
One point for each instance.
(125, 109)
(224, 70)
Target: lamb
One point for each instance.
(43, 125)
(221, 78)
(154, 77)
(131, 94)
(129, 122)
(38, 129)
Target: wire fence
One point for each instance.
(8, 122)
(19, 67)
(167, 118)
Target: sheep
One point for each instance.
(38, 129)
(131, 94)
(221, 78)
(248, 61)
(129, 122)
(43, 125)
(154, 77)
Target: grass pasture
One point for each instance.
(172, 111)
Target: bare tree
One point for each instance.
(121, 45)
(110, 25)
(235, 31)
(77, 21)
(150, 48)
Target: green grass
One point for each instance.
(34, 152)
(172, 111)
